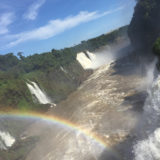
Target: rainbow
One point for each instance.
(61, 122)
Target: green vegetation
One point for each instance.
(156, 47)
(46, 70)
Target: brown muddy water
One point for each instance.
(108, 104)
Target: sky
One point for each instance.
(36, 26)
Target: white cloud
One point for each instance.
(57, 26)
(5, 20)
(32, 12)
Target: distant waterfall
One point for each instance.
(90, 60)
(63, 70)
(38, 93)
(149, 148)
(6, 140)
(85, 60)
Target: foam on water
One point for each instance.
(149, 147)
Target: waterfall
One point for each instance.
(6, 140)
(89, 60)
(85, 62)
(38, 93)
(103, 55)
(91, 56)
(63, 70)
(149, 147)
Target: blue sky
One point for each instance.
(35, 26)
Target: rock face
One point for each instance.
(145, 26)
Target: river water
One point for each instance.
(113, 115)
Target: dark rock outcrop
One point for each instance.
(144, 28)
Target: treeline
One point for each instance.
(55, 58)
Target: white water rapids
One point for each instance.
(149, 148)
(6, 140)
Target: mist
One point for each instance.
(104, 55)
(148, 131)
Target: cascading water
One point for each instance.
(63, 70)
(39, 94)
(149, 147)
(108, 54)
(85, 62)
(90, 60)
(6, 140)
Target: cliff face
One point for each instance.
(144, 28)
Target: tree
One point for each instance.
(20, 55)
